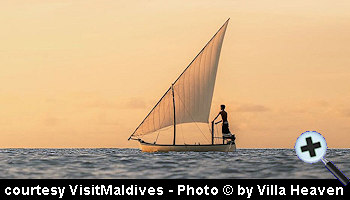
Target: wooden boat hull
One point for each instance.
(148, 147)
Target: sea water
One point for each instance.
(132, 163)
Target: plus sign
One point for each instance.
(310, 147)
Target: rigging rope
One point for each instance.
(217, 131)
(183, 138)
(160, 125)
(192, 118)
(157, 137)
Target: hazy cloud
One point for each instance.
(105, 119)
(136, 103)
(251, 108)
(346, 112)
(114, 103)
(50, 121)
(100, 104)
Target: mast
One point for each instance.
(172, 92)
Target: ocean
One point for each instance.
(132, 163)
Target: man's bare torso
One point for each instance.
(223, 115)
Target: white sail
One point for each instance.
(193, 91)
(162, 115)
(194, 88)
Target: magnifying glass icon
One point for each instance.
(311, 147)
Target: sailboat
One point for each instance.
(187, 100)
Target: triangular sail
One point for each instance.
(193, 91)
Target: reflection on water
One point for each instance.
(131, 163)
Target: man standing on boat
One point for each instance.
(225, 130)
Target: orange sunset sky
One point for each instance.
(85, 73)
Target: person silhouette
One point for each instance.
(225, 128)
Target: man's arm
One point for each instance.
(218, 122)
(217, 116)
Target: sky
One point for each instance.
(85, 73)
